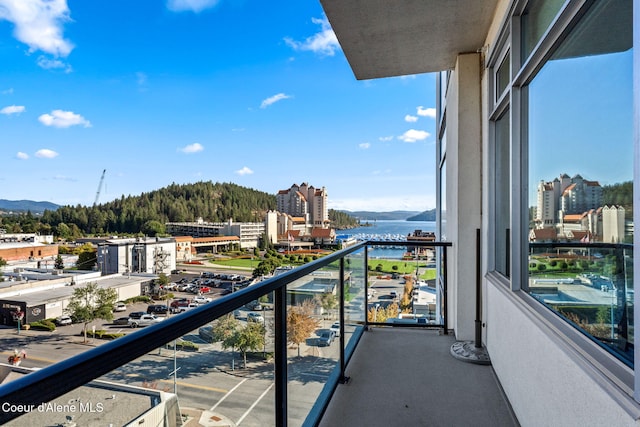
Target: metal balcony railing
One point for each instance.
(348, 268)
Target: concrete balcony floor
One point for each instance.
(407, 377)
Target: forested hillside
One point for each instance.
(175, 203)
(620, 195)
(342, 220)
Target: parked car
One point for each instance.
(136, 314)
(119, 306)
(144, 320)
(206, 333)
(325, 338)
(182, 287)
(63, 320)
(254, 305)
(255, 317)
(121, 321)
(393, 294)
(199, 299)
(237, 314)
(157, 309)
(335, 328)
(183, 308)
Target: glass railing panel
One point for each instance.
(312, 346)
(402, 285)
(354, 294)
(590, 286)
(220, 373)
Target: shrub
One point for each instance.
(43, 325)
(104, 335)
(184, 345)
(141, 298)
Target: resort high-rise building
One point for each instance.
(305, 201)
(567, 195)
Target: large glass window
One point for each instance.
(579, 128)
(502, 195)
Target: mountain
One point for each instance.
(381, 216)
(26, 205)
(429, 215)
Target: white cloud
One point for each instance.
(244, 171)
(413, 135)
(13, 109)
(273, 99)
(52, 64)
(325, 42)
(45, 153)
(22, 156)
(364, 145)
(192, 148)
(63, 119)
(410, 119)
(8, 91)
(190, 5)
(38, 24)
(64, 178)
(426, 112)
(386, 138)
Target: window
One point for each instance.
(535, 21)
(502, 208)
(578, 126)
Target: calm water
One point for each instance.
(386, 229)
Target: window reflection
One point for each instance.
(580, 136)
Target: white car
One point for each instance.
(199, 299)
(336, 328)
(145, 320)
(120, 306)
(255, 317)
(64, 320)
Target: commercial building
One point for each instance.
(249, 234)
(137, 255)
(39, 295)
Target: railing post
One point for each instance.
(280, 323)
(343, 377)
(366, 287)
(445, 291)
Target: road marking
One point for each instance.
(201, 387)
(254, 404)
(227, 395)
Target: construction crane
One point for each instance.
(99, 187)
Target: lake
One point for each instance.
(387, 229)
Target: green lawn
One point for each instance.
(237, 262)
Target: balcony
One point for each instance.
(380, 370)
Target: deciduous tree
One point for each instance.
(301, 323)
(91, 302)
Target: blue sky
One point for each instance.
(179, 91)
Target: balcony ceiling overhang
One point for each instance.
(383, 38)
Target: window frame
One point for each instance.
(605, 368)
